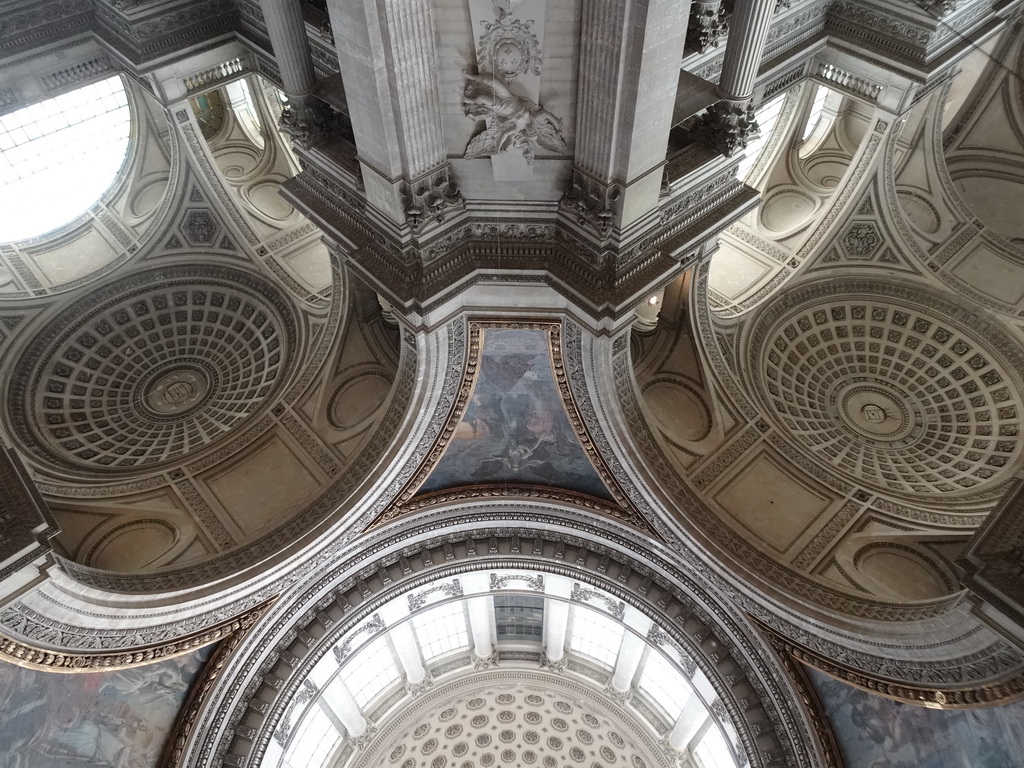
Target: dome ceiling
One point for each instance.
(809, 449)
(151, 367)
(537, 722)
(902, 397)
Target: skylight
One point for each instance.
(59, 156)
(371, 671)
(665, 685)
(441, 630)
(595, 635)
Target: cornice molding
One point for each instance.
(34, 657)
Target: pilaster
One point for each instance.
(629, 72)
(388, 58)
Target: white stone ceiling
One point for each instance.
(536, 722)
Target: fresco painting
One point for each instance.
(515, 430)
(874, 732)
(118, 719)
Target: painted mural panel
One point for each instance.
(119, 719)
(873, 732)
(515, 429)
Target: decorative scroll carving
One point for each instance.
(993, 694)
(707, 26)
(512, 121)
(343, 651)
(51, 661)
(447, 589)
(936, 7)
(534, 583)
(726, 126)
(187, 720)
(581, 594)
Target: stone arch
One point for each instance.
(267, 668)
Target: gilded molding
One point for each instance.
(186, 723)
(1006, 691)
(47, 660)
(812, 706)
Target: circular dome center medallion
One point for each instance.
(176, 391)
(875, 413)
(892, 386)
(151, 368)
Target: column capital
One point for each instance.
(707, 27)
(726, 126)
(591, 203)
(307, 120)
(431, 198)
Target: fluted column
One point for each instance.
(306, 117)
(408, 651)
(341, 702)
(629, 74)
(689, 722)
(481, 614)
(388, 57)
(287, 30)
(556, 617)
(729, 124)
(748, 32)
(631, 650)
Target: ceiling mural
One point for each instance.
(122, 718)
(873, 732)
(515, 428)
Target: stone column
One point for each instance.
(408, 652)
(481, 615)
(403, 639)
(689, 722)
(629, 74)
(388, 57)
(304, 120)
(729, 124)
(748, 33)
(556, 618)
(481, 622)
(341, 702)
(630, 652)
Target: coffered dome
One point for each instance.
(896, 388)
(151, 367)
(511, 719)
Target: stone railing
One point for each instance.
(202, 81)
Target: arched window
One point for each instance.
(59, 156)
